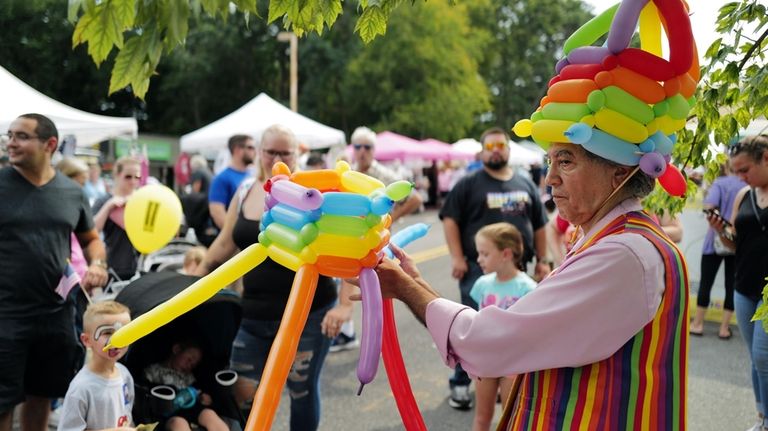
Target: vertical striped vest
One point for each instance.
(640, 387)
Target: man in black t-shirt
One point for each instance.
(39, 351)
(490, 195)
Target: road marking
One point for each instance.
(429, 254)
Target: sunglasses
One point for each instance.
(490, 146)
(283, 154)
(132, 177)
(359, 146)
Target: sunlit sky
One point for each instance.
(703, 17)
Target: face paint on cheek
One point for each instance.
(110, 329)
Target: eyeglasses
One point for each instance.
(132, 177)
(490, 146)
(283, 154)
(359, 146)
(735, 148)
(18, 136)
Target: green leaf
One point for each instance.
(129, 64)
(73, 9)
(372, 22)
(178, 21)
(102, 29)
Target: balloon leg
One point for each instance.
(396, 374)
(283, 350)
(191, 297)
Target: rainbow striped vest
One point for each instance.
(641, 387)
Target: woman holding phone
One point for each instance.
(748, 237)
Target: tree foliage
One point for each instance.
(422, 78)
(143, 31)
(732, 93)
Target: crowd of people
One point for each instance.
(516, 259)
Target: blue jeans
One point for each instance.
(251, 348)
(757, 345)
(460, 377)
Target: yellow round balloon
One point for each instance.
(152, 217)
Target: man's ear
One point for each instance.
(52, 144)
(620, 174)
(85, 339)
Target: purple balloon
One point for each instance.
(624, 24)
(269, 201)
(653, 164)
(588, 55)
(370, 342)
(561, 64)
(296, 195)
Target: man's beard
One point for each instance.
(247, 160)
(495, 165)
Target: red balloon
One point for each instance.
(396, 374)
(673, 181)
(645, 63)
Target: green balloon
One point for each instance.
(565, 111)
(588, 33)
(308, 233)
(678, 107)
(398, 190)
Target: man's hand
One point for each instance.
(459, 267)
(95, 276)
(541, 271)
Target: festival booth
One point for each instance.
(252, 119)
(86, 128)
(391, 146)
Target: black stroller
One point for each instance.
(213, 326)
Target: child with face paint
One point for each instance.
(101, 395)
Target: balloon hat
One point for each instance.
(332, 222)
(623, 104)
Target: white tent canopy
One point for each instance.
(88, 129)
(252, 119)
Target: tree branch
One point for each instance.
(752, 49)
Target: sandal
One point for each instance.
(696, 333)
(727, 336)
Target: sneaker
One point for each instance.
(54, 417)
(344, 342)
(460, 398)
(757, 426)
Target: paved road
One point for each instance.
(720, 395)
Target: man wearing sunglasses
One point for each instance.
(108, 211)
(492, 194)
(40, 210)
(242, 148)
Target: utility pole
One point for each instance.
(287, 36)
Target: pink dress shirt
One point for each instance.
(596, 301)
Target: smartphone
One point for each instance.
(714, 212)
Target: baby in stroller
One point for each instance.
(191, 405)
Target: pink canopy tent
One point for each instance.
(392, 146)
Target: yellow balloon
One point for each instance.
(152, 217)
(190, 297)
(650, 29)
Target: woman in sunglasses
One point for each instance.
(122, 258)
(746, 232)
(265, 293)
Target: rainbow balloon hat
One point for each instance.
(623, 104)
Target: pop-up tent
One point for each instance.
(252, 119)
(392, 146)
(88, 129)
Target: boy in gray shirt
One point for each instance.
(101, 395)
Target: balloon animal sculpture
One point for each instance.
(624, 104)
(331, 222)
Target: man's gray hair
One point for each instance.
(363, 135)
(639, 186)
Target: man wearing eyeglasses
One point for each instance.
(492, 194)
(108, 211)
(242, 148)
(40, 209)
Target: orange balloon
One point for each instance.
(643, 88)
(323, 179)
(283, 350)
(280, 168)
(370, 260)
(336, 266)
(571, 91)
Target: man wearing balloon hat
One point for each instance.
(40, 210)
(623, 273)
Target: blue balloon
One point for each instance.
(381, 205)
(289, 216)
(407, 236)
(612, 148)
(663, 143)
(579, 133)
(346, 204)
